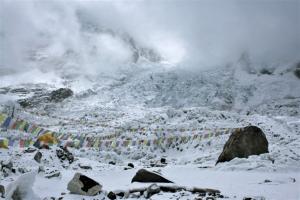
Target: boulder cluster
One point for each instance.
(83, 185)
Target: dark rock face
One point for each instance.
(65, 154)
(130, 165)
(145, 176)
(111, 163)
(46, 97)
(244, 142)
(163, 161)
(60, 94)
(38, 157)
(297, 70)
(2, 191)
(29, 150)
(81, 184)
(112, 195)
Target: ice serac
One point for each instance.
(81, 184)
(145, 176)
(244, 142)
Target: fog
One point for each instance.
(49, 35)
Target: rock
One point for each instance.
(2, 191)
(254, 198)
(120, 193)
(171, 189)
(111, 195)
(46, 97)
(210, 198)
(41, 169)
(111, 163)
(163, 161)
(30, 150)
(152, 189)
(52, 174)
(60, 94)
(81, 184)
(65, 154)
(7, 165)
(83, 166)
(130, 165)
(297, 71)
(244, 142)
(157, 165)
(199, 190)
(22, 170)
(145, 176)
(38, 157)
(21, 188)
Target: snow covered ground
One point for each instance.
(135, 102)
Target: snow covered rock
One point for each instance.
(21, 189)
(145, 176)
(81, 184)
(244, 142)
(38, 157)
(39, 98)
(112, 195)
(151, 190)
(2, 191)
(65, 154)
(84, 166)
(52, 174)
(60, 94)
(6, 164)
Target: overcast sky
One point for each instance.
(187, 33)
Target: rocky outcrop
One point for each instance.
(145, 176)
(244, 142)
(54, 96)
(60, 94)
(83, 185)
(64, 154)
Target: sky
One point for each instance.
(48, 35)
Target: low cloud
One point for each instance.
(56, 35)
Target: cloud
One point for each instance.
(52, 35)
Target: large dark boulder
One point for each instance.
(244, 142)
(81, 184)
(145, 176)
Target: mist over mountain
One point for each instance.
(102, 36)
